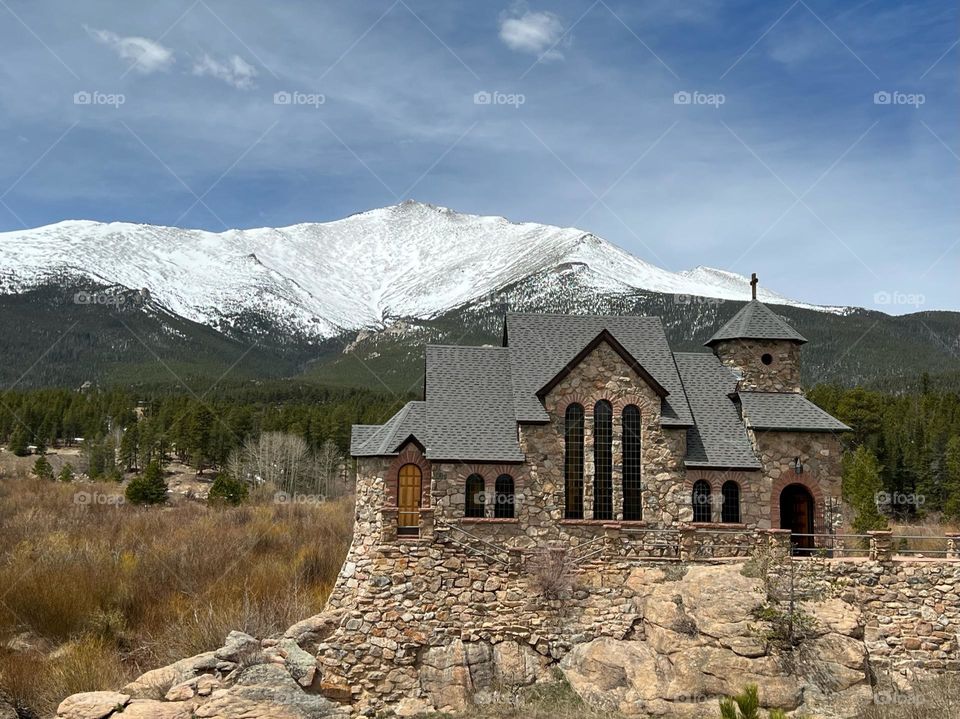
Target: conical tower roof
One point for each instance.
(756, 321)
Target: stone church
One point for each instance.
(579, 423)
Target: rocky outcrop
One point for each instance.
(701, 640)
(432, 634)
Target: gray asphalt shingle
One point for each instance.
(756, 321)
(542, 344)
(475, 396)
(469, 408)
(385, 438)
(786, 411)
(719, 439)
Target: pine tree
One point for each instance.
(18, 442)
(66, 473)
(951, 506)
(42, 468)
(862, 487)
(149, 487)
(227, 489)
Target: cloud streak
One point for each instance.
(235, 71)
(144, 55)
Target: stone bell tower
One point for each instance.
(761, 347)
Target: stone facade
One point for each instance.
(782, 374)
(444, 623)
(820, 457)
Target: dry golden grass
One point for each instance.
(933, 699)
(106, 591)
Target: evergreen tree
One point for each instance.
(18, 442)
(951, 507)
(149, 487)
(66, 473)
(42, 468)
(862, 488)
(227, 489)
(129, 446)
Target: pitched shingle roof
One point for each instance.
(756, 321)
(541, 345)
(719, 439)
(385, 439)
(475, 396)
(786, 411)
(469, 408)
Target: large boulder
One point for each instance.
(700, 641)
(91, 705)
(155, 683)
(267, 691)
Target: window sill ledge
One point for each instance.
(719, 525)
(488, 520)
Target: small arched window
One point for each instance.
(603, 460)
(503, 497)
(730, 510)
(701, 501)
(632, 498)
(573, 462)
(474, 499)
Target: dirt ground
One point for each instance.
(182, 480)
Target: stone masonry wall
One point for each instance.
(820, 454)
(781, 375)
(434, 622)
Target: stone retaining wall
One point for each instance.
(413, 610)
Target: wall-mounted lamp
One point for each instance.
(797, 466)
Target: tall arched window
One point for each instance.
(474, 499)
(701, 501)
(503, 497)
(573, 462)
(730, 510)
(632, 497)
(603, 460)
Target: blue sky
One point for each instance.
(785, 160)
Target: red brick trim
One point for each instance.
(409, 454)
(784, 481)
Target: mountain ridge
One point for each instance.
(321, 279)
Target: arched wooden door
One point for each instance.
(409, 494)
(796, 514)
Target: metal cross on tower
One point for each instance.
(753, 285)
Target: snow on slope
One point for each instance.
(411, 259)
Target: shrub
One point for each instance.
(227, 489)
(149, 487)
(746, 705)
(42, 468)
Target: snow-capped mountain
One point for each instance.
(406, 260)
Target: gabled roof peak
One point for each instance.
(604, 336)
(756, 321)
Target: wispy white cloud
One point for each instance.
(537, 33)
(236, 71)
(146, 56)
